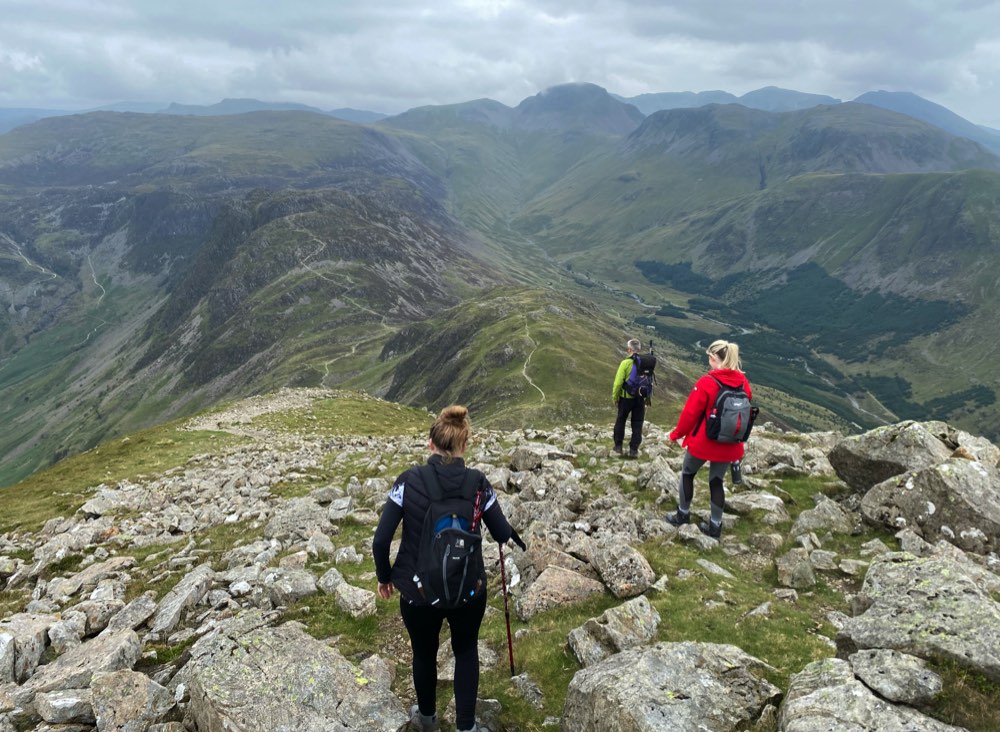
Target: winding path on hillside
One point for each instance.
(524, 369)
(17, 250)
(348, 286)
(338, 281)
(93, 275)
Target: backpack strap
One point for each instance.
(701, 417)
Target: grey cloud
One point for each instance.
(389, 56)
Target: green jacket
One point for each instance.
(618, 388)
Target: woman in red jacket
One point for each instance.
(724, 365)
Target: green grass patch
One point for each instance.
(13, 601)
(967, 700)
(349, 415)
(162, 653)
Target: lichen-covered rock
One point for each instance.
(631, 624)
(298, 519)
(75, 668)
(826, 696)
(670, 686)
(622, 568)
(23, 639)
(957, 500)
(896, 677)
(252, 677)
(827, 515)
(795, 569)
(770, 505)
(285, 586)
(185, 594)
(65, 707)
(929, 607)
(555, 586)
(128, 701)
(864, 460)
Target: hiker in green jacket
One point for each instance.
(628, 404)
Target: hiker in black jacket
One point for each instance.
(408, 502)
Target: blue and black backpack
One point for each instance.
(450, 570)
(641, 379)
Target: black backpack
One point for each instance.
(641, 379)
(732, 416)
(450, 570)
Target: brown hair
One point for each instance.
(727, 353)
(450, 431)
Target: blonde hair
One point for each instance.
(450, 431)
(634, 344)
(727, 353)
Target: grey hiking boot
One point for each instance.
(617, 449)
(422, 723)
(678, 518)
(634, 454)
(710, 529)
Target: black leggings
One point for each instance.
(423, 623)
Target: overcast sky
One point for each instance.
(391, 55)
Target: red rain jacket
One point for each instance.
(692, 420)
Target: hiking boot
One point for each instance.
(473, 728)
(422, 723)
(710, 529)
(617, 449)
(634, 454)
(678, 518)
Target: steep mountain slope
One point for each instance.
(807, 225)
(199, 258)
(157, 263)
(934, 114)
(685, 160)
(516, 356)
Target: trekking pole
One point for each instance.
(506, 612)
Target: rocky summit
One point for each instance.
(854, 586)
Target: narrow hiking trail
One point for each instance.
(336, 281)
(17, 250)
(93, 275)
(341, 281)
(524, 369)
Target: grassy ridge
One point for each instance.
(515, 357)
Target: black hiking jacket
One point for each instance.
(408, 502)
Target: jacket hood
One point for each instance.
(729, 377)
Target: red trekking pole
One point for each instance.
(506, 612)
(476, 515)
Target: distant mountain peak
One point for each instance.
(579, 106)
(237, 106)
